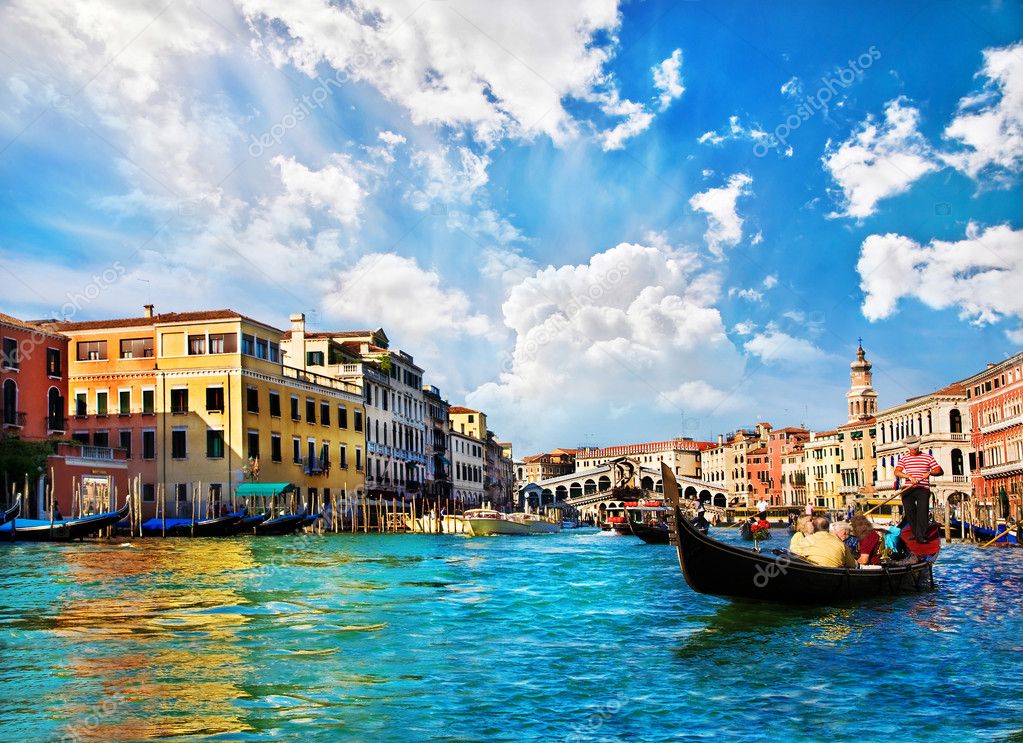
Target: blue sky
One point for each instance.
(600, 222)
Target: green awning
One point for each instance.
(263, 489)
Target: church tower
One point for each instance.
(861, 396)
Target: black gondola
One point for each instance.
(649, 533)
(248, 524)
(65, 530)
(221, 526)
(712, 567)
(12, 512)
(286, 524)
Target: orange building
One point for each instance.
(782, 443)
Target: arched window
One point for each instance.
(589, 487)
(647, 483)
(957, 462)
(576, 490)
(560, 492)
(955, 421)
(10, 402)
(603, 483)
(54, 410)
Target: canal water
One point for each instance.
(577, 636)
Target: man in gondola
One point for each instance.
(916, 468)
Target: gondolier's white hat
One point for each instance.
(911, 441)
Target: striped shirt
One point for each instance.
(918, 467)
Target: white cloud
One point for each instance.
(508, 267)
(637, 120)
(757, 238)
(770, 281)
(332, 188)
(988, 126)
(735, 129)
(485, 68)
(668, 78)
(776, 347)
(390, 138)
(634, 325)
(744, 328)
(879, 160)
(980, 275)
(751, 295)
(724, 225)
(793, 88)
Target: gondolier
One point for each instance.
(916, 468)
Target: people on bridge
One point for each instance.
(824, 548)
(916, 469)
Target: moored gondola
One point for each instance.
(286, 524)
(713, 567)
(64, 530)
(221, 526)
(647, 523)
(11, 513)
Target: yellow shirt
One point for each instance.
(797, 539)
(825, 549)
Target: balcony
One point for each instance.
(99, 453)
(1002, 424)
(1000, 470)
(13, 418)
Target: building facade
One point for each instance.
(682, 455)
(784, 447)
(437, 445)
(33, 378)
(468, 469)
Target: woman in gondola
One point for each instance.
(868, 540)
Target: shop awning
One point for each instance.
(263, 489)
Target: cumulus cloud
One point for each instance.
(751, 295)
(988, 126)
(773, 346)
(770, 281)
(980, 275)
(724, 224)
(735, 129)
(636, 120)
(668, 79)
(632, 326)
(744, 328)
(333, 188)
(792, 88)
(879, 160)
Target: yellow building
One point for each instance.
(223, 409)
(824, 459)
(468, 422)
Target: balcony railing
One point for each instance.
(1002, 469)
(999, 425)
(104, 453)
(13, 418)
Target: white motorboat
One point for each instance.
(536, 523)
(482, 522)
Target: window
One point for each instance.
(100, 438)
(223, 343)
(214, 399)
(275, 404)
(179, 401)
(179, 446)
(275, 447)
(214, 444)
(148, 492)
(325, 413)
(148, 402)
(358, 420)
(314, 358)
(215, 492)
(136, 348)
(181, 492)
(252, 399)
(11, 353)
(92, 350)
(358, 459)
(124, 402)
(253, 439)
(149, 444)
(196, 345)
(53, 362)
(275, 352)
(81, 408)
(248, 344)
(124, 441)
(262, 351)
(82, 437)
(296, 450)
(101, 403)
(294, 409)
(342, 416)
(310, 410)
(343, 457)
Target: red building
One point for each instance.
(758, 473)
(33, 376)
(995, 398)
(781, 443)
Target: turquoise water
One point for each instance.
(577, 636)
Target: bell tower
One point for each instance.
(861, 396)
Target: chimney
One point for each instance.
(147, 310)
(721, 439)
(297, 323)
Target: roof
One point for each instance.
(857, 424)
(334, 333)
(458, 409)
(25, 325)
(644, 448)
(163, 318)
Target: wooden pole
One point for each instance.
(997, 537)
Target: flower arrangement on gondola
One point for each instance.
(251, 469)
(758, 531)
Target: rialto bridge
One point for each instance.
(592, 491)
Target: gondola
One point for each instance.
(12, 512)
(982, 532)
(286, 524)
(712, 567)
(248, 524)
(641, 528)
(64, 530)
(659, 534)
(221, 526)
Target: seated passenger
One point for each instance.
(804, 528)
(841, 530)
(824, 548)
(868, 538)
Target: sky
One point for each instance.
(600, 222)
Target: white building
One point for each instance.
(468, 468)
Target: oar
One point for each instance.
(893, 497)
(997, 537)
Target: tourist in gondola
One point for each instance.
(916, 469)
(824, 548)
(804, 528)
(841, 530)
(868, 540)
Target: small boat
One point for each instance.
(248, 524)
(311, 519)
(280, 525)
(482, 522)
(221, 526)
(537, 524)
(713, 567)
(1009, 536)
(64, 530)
(12, 512)
(646, 522)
